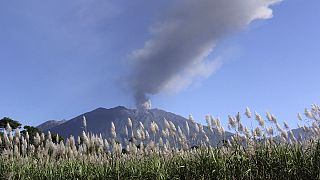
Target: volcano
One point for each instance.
(99, 122)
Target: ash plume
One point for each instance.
(181, 41)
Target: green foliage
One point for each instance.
(264, 162)
(31, 130)
(14, 124)
(255, 154)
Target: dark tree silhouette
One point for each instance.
(31, 130)
(14, 124)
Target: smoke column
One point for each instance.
(183, 38)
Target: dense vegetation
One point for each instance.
(261, 153)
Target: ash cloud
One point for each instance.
(181, 41)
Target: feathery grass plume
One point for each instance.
(130, 126)
(220, 131)
(172, 126)
(278, 127)
(315, 108)
(238, 117)
(58, 139)
(72, 141)
(129, 123)
(16, 152)
(259, 119)
(106, 145)
(78, 140)
(308, 114)
(201, 129)
(299, 117)
(191, 118)
(37, 139)
(246, 130)
(153, 127)
(284, 134)
(8, 128)
(24, 148)
(141, 125)
(61, 149)
(17, 133)
(218, 122)
(27, 136)
(187, 128)
(231, 122)
(113, 130)
(85, 138)
(84, 123)
(6, 139)
(241, 128)
(270, 131)
(213, 121)
(164, 132)
(42, 137)
(180, 131)
(253, 133)
(126, 132)
(16, 140)
(258, 132)
(269, 116)
(229, 143)
(286, 126)
(207, 139)
(293, 138)
(49, 136)
(315, 124)
(156, 126)
(147, 135)
(166, 124)
(208, 120)
(10, 136)
(248, 113)
(160, 142)
(138, 134)
(274, 119)
(197, 128)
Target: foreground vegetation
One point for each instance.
(261, 153)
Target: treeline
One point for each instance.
(9, 125)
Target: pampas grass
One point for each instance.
(264, 152)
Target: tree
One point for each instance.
(14, 124)
(31, 130)
(55, 140)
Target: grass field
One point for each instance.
(254, 154)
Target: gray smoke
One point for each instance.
(183, 39)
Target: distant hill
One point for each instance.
(298, 133)
(50, 124)
(99, 121)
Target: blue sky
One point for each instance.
(60, 59)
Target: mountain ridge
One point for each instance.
(50, 124)
(99, 122)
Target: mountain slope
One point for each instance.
(50, 124)
(99, 121)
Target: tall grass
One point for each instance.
(250, 154)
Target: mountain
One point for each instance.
(299, 133)
(50, 124)
(99, 121)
